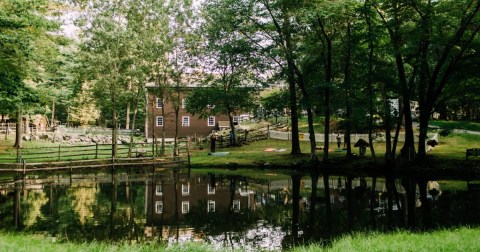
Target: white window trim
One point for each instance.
(208, 121)
(184, 103)
(210, 106)
(210, 189)
(211, 202)
(157, 122)
(157, 191)
(157, 204)
(187, 205)
(157, 103)
(236, 205)
(186, 189)
(187, 123)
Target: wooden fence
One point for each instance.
(88, 156)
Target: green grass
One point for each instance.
(39, 243)
(461, 239)
(451, 147)
(465, 125)
(250, 173)
(454, 145)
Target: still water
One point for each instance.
(269, 211)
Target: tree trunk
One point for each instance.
(370, 83)
(351, 216)
(296, 179)
(389, 156)
(135, 110)
(373, 197)
(175, 140)
(27, 125)
(18, 129)
(52, 121)
(114, 129)
(328, 81)
(127, 117)
(346, 83)
(162, 148)
(232, 129)
(410, 189)
(328, 208)
(426, 204)
(294, 119)
(313, 201)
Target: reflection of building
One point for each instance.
(169, 202)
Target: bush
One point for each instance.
(445, 132)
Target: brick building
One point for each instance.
(188, 124)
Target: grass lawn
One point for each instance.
(451, 147)
(456, 125)
(461, 239)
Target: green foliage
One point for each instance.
(25, 43)
(275, 102)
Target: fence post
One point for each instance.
(24, 167)
(96, 150)
(221, 141)
(59, 152)
(268, 131)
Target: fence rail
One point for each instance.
(282, 135)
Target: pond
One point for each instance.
(269, 211)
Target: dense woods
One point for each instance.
(346, 59)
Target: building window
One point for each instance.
(211, 189)
(210, 106)
(158, 189)
(211, 121)
(159, 103)
(235, 119)
(211, 206)
(184, 103)
(185, 121)
(236, 206)
(158, 207)
(159, 121)
(185, 189)
(185, 207)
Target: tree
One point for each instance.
(427, 53)
(107, 53)
(275, 103)
(25, 28)
(230, 65)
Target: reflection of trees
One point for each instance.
(33, 202)
(83, 198)
(6, 208)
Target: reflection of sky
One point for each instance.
(263, 237)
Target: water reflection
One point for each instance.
(229, 210)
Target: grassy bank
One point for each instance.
(254, 154)
(462, 239)
(451, 147)
(465, 125)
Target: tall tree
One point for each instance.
(24, 27)
(230, 63)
